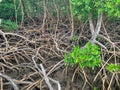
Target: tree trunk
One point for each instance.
(97, 29)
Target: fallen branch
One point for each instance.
(10, 80)
(46, 77)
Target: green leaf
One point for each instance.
(77, 60)
(86, 57)
(113, 67)
(82, 9)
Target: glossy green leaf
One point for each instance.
(86, 57)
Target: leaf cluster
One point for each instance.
(89, 56)
(113, 67)
(7, 10)
(83, 8)
(8, 25)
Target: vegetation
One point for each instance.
(89, 56)
(8, 25)
(85, 8)
(113, 68)
(72, 41)
(8, 15)
(7, 10)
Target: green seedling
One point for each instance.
(113, 67)
(8, 25)
(89, 56)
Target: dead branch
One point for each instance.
(10, 80)
(97, 29)
(46, 77)
(91, 24)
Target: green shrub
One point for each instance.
(89, 56)
(8, 25)
(113, 67)
(7, 10)
(83, 8)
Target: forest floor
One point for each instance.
(23, 51)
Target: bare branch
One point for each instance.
(72, 21)
(91, 25)
(10, 80)
(57, 82)
(100, 44)
(45, 75)
(6, 41)
(56, 44)
(46, 78)
(14, 34)
(97, 29)
(44, 18)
